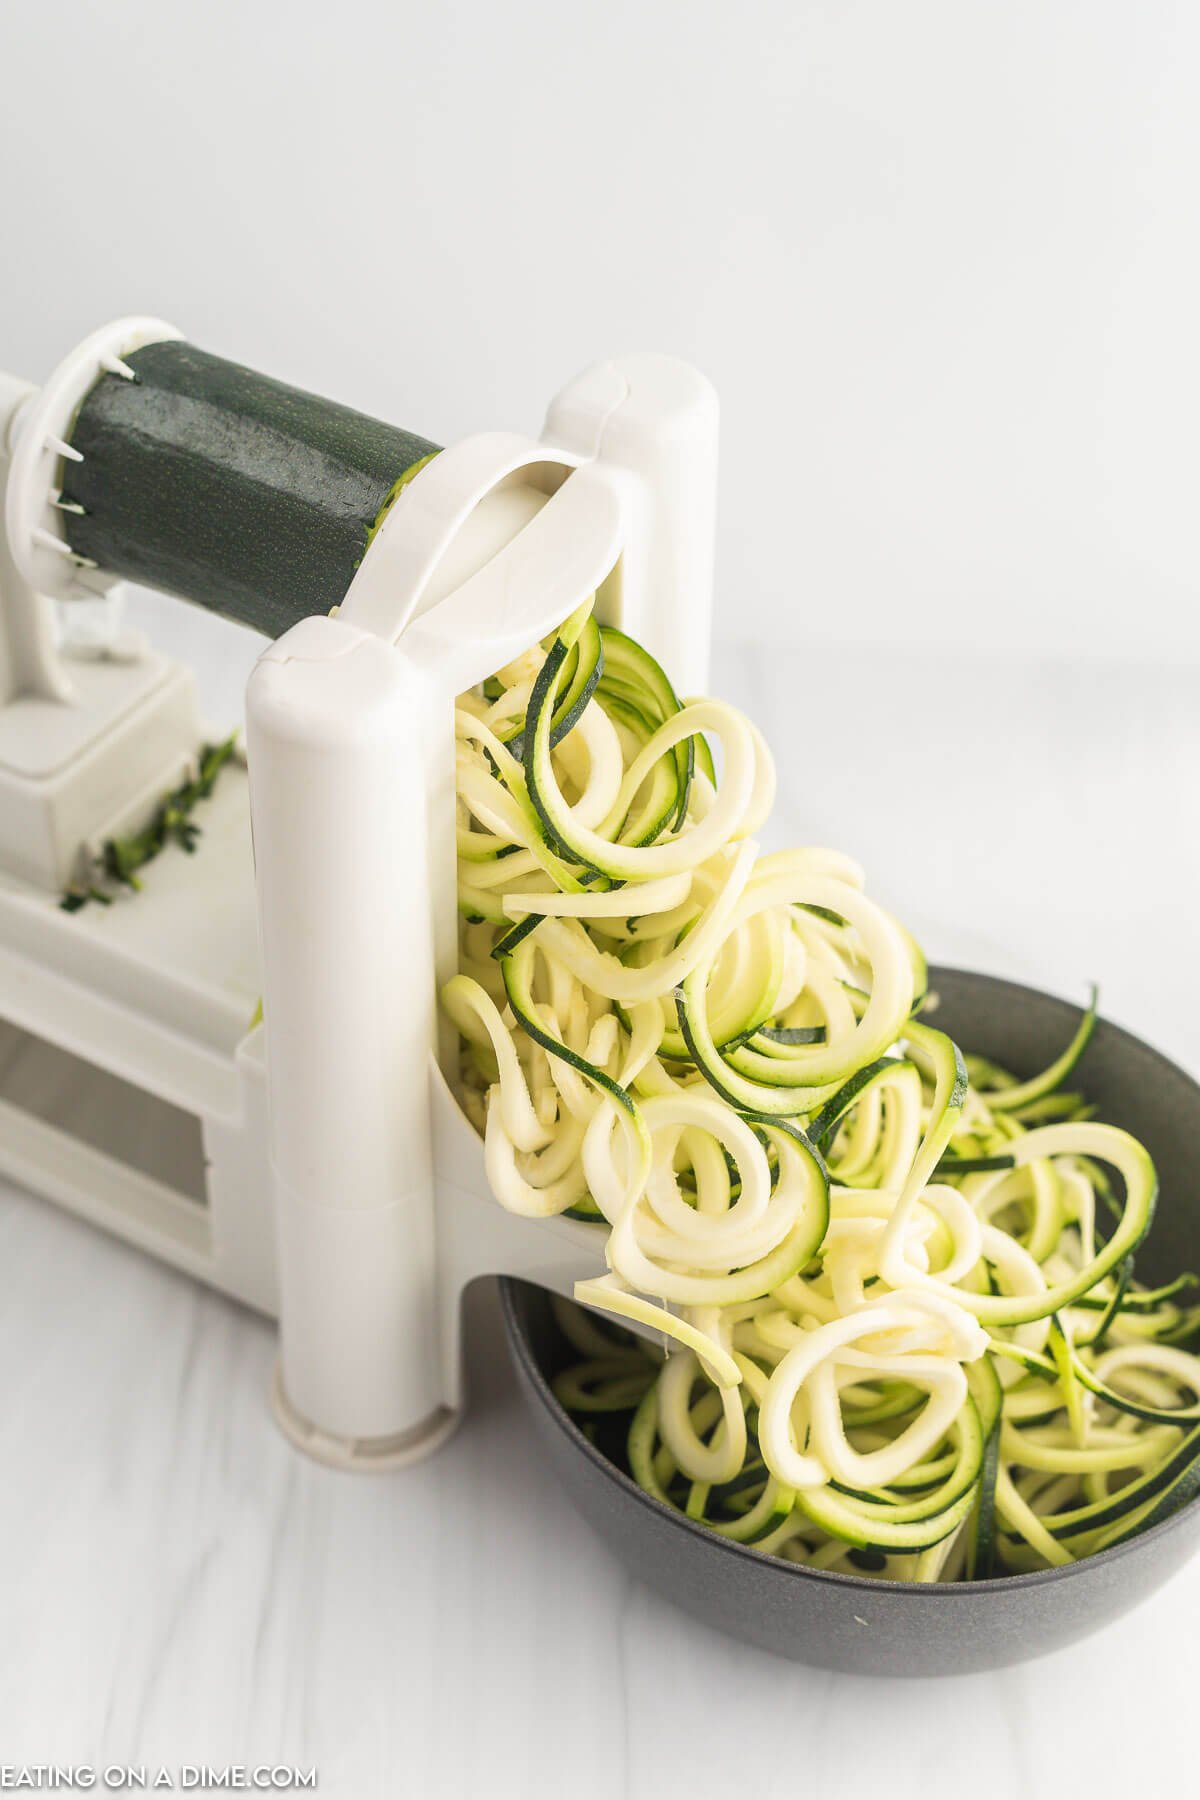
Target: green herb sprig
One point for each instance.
(120, 859)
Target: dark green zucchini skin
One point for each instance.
(235, 491)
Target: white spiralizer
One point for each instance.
(316, 1165)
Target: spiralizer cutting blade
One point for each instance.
(316, 1165)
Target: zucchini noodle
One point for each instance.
(895, 1285)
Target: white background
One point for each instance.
(941, 259)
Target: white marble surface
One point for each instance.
(177, 1586)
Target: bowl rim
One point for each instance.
(522, 1350)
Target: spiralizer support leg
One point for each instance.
(340, 850)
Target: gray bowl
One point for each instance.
(857, 1623)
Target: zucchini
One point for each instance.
(890, 1527)
(1019, 1095)
(585, 666)
(1121, 1508)
(632, 675)
(235, 491)
(932, 1363)
(981, 1529)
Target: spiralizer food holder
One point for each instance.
(315, 1166)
